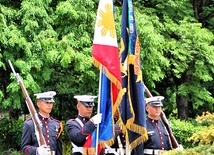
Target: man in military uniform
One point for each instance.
(158, 137)
(51, 129)
(80, 128)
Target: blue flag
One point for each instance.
(132, 107)
(106, 109)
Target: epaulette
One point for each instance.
(60, 131)
(54, 119)
(28, 119)
(72, 119)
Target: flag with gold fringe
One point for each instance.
(105, 57)
(90, 145)
(132, 108)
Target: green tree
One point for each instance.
(49, 43)
(177, 55)
(204, 12)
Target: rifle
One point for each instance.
(32, 110)
(120, 145)
(165, 122)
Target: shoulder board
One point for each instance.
(28, 119)
(72, 119)
(54, 119)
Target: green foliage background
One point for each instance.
(49, 43)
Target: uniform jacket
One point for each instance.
(50, 127)
(158, 137)
(78, 133)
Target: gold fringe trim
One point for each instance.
(114, 108)
(142, 131)
(121, 124)
(134, 128)
(119, 99)
(107, 73)
(118, 84)
(109, 142)
(130, 122)
(89, 151)
(141, 139)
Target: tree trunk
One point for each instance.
(14, 113)
(182, 106)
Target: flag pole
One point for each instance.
(98, 110)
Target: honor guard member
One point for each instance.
(51, 129)
(80, 128)
(158, 137)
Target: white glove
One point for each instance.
(43, 150)
(97, 118)
(180, 147)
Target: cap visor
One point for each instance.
(88, 104)
(47, 100)
(156, 104)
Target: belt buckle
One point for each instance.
(160, 152)
(51, 153)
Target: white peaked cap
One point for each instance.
(85, 98)
(154, 101)
(46, 96)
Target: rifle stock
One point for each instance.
(165, 122)
(31, 108)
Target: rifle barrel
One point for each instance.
(31, 108)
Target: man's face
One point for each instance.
(84, 111)
(44, 107)
(153, 111)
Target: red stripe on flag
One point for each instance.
(108, 56)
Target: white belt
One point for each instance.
(76, 148)
(111, 150)
(154, 151)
